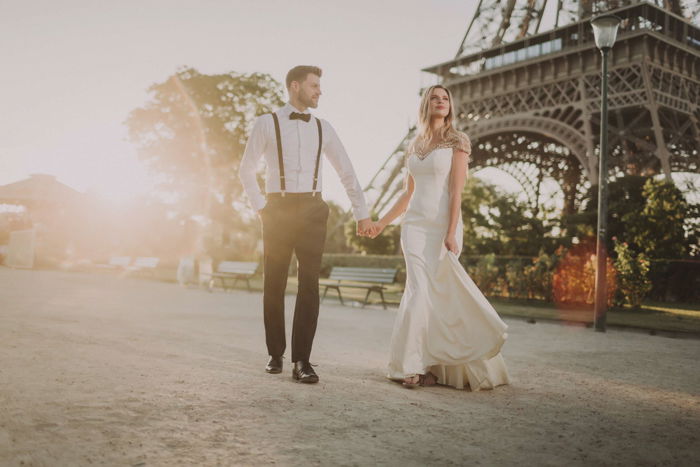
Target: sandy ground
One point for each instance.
(97, 370)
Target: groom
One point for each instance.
(293, 213)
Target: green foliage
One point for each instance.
(675, 280)
(192, 132)
(624, 196)
(566, 276)
(659, 230)
(486, 274)
(632, 274)
(650, 215)
(495, 222)
(573, 281)
(537, 276)
(335, 235)
(515, 285)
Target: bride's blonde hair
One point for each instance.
(447, 133)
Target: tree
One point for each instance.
(496, 222)
(658, 231)
(633, 274)
(192, 132)
(335, 235)
(651, 216)
(624, 197)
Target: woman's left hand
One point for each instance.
(451, 244)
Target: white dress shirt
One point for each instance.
(299, 149)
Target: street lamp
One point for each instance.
(605, 32)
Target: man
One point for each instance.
(293, 213)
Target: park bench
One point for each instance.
(233, 271)
(116, 262)
(143, 265)
(371, 279)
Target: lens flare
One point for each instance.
(573, 283)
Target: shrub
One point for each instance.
(573, 282)
(537, 277)
(486, 274)
(633, 274)
(675, 280)
(515, 283)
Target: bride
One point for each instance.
(445, 332)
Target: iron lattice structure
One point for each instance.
(531, 102)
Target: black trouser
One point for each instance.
(293, 223)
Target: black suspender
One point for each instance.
(318, 155)
(280, 160)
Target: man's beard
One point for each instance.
(307, 101)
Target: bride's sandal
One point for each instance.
(428, 379)
(412, 381)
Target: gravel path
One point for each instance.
(98, 370)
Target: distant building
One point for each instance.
(51, 208)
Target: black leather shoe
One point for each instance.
(304, 372)
(274, 365)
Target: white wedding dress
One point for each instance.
(444, 323)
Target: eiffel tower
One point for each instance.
(530, 101)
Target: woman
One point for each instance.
(445, 332)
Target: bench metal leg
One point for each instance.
(212, 283)
(325, 291)
(381, 292)
(247, 280)
(340, 295)
(369, 291)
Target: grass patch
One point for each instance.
(667, 317)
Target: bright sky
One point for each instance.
(75, 69)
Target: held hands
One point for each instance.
(367, 228)
(362, 226)
(375, 230)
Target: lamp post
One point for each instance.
(605, 32)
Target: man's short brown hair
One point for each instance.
(299, 73)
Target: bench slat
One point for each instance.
(338, 268)
(237, 267)
(376, 275)
(351, 274)
(146, 262)
(369, 279)
(360, 279)
(120, 261)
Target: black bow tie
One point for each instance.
(298, 116)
